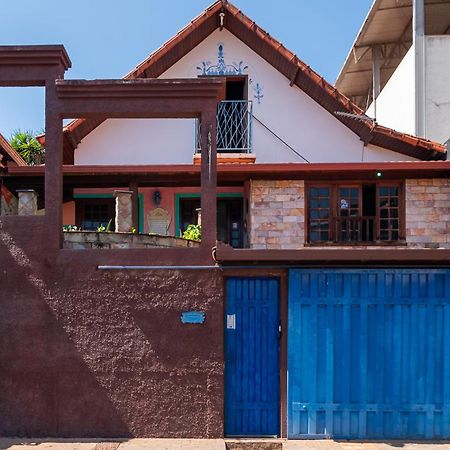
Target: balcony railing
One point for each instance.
(355, 229)
(234, 127)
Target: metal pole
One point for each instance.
(375, 77)
(419, 65)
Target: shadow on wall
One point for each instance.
(87, 353)
(46, 387)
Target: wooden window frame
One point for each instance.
(334, 187)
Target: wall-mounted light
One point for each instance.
(157, 198)
(378, 174)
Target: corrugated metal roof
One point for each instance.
(389, 24)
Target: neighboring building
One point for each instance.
(332, 264)
(8, 156)
(397, 69)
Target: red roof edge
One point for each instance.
(283, 60)
(9, 152)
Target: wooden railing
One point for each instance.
(355, 229)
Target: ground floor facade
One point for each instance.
(276, 351)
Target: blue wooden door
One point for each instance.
(251, 357)
(369, 353)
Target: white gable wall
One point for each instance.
(286, 110)
(396, 102)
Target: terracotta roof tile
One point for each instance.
(284, 61)
(8, 153)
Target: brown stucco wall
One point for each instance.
(428, 213)
(85, 352)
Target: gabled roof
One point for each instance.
(7, 153)
(280, 58)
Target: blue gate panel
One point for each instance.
(369, 353)
(251, 357)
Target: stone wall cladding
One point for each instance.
(277, 214)
(428, 213)
(77, 240)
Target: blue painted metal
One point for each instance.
(192, 317)
(222, 68)
(369, 353)
(251, 357)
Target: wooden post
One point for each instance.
(209, 178)
(53, 168)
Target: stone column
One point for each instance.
(27, 202)
(199, 216)
(124, 210)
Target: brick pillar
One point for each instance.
(124, 210)
(27, 202)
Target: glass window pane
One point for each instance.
(393, 190)
(314, 236)
(384, 191)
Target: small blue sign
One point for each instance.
(192, 317)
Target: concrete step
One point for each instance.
(254, 444)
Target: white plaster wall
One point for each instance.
(373, 153)
(437, 83)
(286, 110)
(138, 141)
(395, 104)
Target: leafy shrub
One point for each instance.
(102, 229)
(193, 233)
(28, 147)
(71, 228)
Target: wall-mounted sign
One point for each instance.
(231, 321)
(192, 317)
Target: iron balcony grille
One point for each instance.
(234, 127)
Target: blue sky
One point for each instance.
(107, 38)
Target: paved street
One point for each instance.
(213, 444)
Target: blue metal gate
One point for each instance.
(251, 357)
(369, 353)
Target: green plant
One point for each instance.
(28, 147)
(193, 232)
(133, 230)
(70, 228)
(102, 229)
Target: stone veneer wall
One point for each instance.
(277, 214)
(428, 213)
(90, 239)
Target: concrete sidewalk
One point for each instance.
(212, 444)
